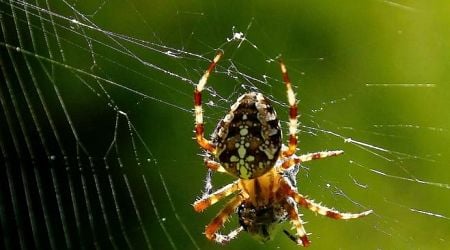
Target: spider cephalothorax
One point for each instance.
(260, 221)
(248, 139)
(247, 144)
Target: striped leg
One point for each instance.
(199, 127)
(213, 165)
(222, 216)
(322, 210)
(209, 200)
(222, 239)
(295, 160)
(292, 146)
(301, 238)
(317, 208)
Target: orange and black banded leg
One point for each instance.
(292, 146)
(295, 160)
(199, 127)
(221, 218)
(301, 237)
(210, 199)
(317, 208)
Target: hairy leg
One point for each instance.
(222, 216)
(209, 200)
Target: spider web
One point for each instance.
(96, 118)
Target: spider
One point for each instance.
(247, 144)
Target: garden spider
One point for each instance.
(247, 144)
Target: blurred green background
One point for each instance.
(374, 71)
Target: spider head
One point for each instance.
(248, 138)
(261, 222)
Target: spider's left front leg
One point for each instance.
(301, 237)
(317, 208)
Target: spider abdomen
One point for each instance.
(248, 139)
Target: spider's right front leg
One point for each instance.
(220, 219)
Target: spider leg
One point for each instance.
(294, 160)
(317, 208)
(199, 127)
(208, 183)
(292, 146)
(222, 239)
(301, 238)
(213, 165)
(222, 216)
(211, 199)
